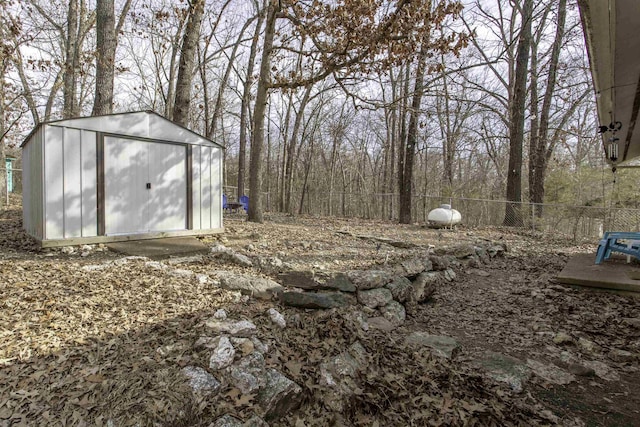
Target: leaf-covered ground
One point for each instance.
(97, 340)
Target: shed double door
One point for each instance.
(145, 186)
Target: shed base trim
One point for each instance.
(123, 238)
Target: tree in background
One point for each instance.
(517, 107)
(106, 43)
(345, 39)
(187, 62)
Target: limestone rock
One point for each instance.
(505, 369)
(227, 421)
(588, 345)
(602, 370)
(358, 319)
(242, 328)
(258, 287)
(439, 263)
(449, 275)
(621, 356)
(400, 288)
(277, 318)
(223, 354)
(496, 250)
(341, 373)
(562, 338)
(443, 346)
(462, 251)
(317, 280)
(394, 312)
(259, 345)
(216, 249)
(244, 345)
(279, 396)
(483, 255)
(369, 279)
(271, 264)
(315, 300)
(206, 342)
(425, 285)
(413, 267)
(380, 323)
(200, 380)
(374, 298)
(474, 262)
(235, 258)
(550, 373)
(249, 374)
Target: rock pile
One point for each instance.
(386, 293)
(238, 361)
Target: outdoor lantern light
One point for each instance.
(612, 151)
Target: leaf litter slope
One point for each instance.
(84, 345)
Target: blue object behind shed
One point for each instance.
(245, 202)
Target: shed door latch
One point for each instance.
(148, 186)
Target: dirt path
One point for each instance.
(514, 307)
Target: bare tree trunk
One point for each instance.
(306, 177)
(538, 156)
(284, 133)
(246, 100)
(187, 63)
(170, 98)
(291, 147)
(105, 57)
(106, 43)
(71, 60)
(402, 131)
(406, 200)
(513, 212)
(255, 175)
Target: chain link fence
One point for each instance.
(577, 222)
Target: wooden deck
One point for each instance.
(613, 275)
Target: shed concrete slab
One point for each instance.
(160, 248)
(613, 275)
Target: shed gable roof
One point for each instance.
(145, 124)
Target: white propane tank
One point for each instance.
(444, 216)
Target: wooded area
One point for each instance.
(480, 99)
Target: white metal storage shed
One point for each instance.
(119, 177)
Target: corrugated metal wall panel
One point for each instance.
(196, 186)
(126, 173)
(89, 184)
(32, 185)
(216, 188)
(72, 184)
(36, 193)
(205, 162)
(168, 193)
(53, 183)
